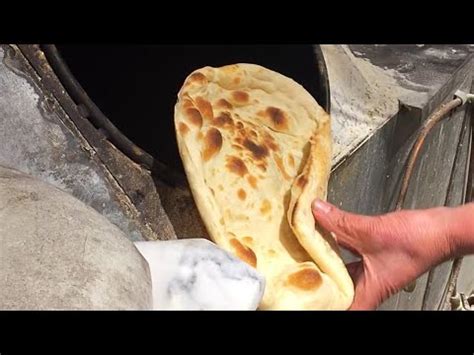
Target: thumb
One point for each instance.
(351, 230)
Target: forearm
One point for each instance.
(460, 229)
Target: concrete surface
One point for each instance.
(58, 253)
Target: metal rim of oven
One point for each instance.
(92, 112)
(323, 79)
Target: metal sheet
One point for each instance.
(36, 137)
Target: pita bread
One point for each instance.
(256, 148)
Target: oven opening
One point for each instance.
(136, 86)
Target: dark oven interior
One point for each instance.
(135, 86)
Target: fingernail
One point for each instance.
(321, 206)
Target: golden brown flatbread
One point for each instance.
(256, 148)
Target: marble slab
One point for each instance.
(195, 274)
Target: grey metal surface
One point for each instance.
(38, 138)
(465, 279)
(463, 282)
(440, 277)
(429, 187)
(368, 82)
(422, 68)
(374, 171)
(136, 184)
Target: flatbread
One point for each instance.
(256, 148)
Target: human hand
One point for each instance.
(395, 248)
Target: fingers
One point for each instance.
(357, 233)
(352, 230)
(366, 295)
(363, 300)
(363, 304)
